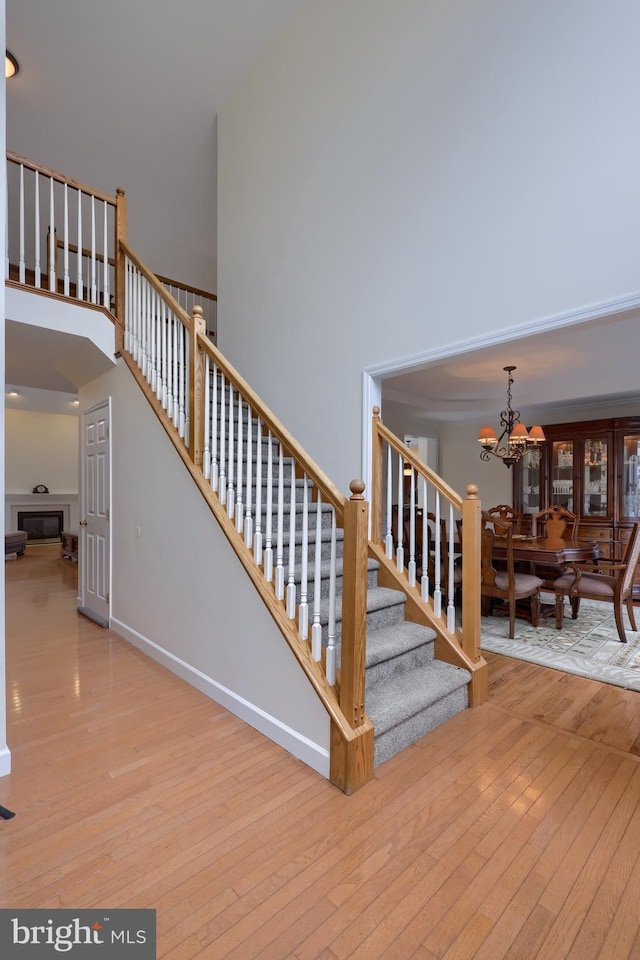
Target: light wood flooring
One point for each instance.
(512, 831)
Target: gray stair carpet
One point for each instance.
(408, 691)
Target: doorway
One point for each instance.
(95, 513)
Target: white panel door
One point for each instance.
(95, 527)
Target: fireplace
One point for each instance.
(41, 524)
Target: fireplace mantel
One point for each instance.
(67, 502)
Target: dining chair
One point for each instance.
(605, 580)
(556, 523)
(507, 513)
(506, 584)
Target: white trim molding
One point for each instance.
(312, 754)
(615, 308)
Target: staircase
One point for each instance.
(408, 691)
(382, 687)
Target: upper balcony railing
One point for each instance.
(61, 236)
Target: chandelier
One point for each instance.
(515, 440)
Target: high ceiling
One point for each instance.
(105, 88)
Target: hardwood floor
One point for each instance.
(513, 831)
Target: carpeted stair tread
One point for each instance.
(378, 598)
(399, 698)
(325, 570)
(393, 641)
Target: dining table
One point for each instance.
(547, 551)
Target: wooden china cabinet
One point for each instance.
(591, 468)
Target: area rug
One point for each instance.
(587, 647)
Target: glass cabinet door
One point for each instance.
(562, 474)
(530, 473)
(630, 491)
(595, 501)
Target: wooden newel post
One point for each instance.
(471, 515)
(354, 605)
(351, 763)
(121, 235)
(196, 387)
(376, 478)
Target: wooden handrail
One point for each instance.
(187, 287)
(86, 253)
(412, 458)
(291, 445)
(60, 177)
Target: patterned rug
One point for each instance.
(588, 646)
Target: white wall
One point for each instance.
(5, 755)
(180, 593)
(398, 176)
(41, 448)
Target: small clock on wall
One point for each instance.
(40, 488)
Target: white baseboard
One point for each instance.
(312, 754)
(5, 762)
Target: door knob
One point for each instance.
(83, 523)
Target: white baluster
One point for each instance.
(145, 327)
(239, 505)
(231, 499)
(222, 483)
(127, 303)
(437, 591)
(399, 524)
(316, 629)
(171, 363)
(268, 547)
(151, 375)
(303, 609)
(257, 537)
(52, 240)
(291, 582)
(206, 453)
(79, 290)
(159, 344)
(105, 261)
(424, 581)
(451, 609)
(188, 346)
(248, 520)
(66, 283)
(280, 529)
(181, 379)
(94, 289)
(331, 640)
(388, 540)
(22, 268)
(165, 358)
(37, 270)
(411, 569)
(214, 431)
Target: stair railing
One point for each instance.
(189, 297)
(282, 514)
(427, 538)
(61, 235)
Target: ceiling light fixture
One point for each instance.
(515, 439)
(11, 65)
